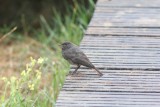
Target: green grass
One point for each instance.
(68, 28)
(41, 79)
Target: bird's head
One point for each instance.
(66, 45)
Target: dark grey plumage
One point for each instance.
(74, 55)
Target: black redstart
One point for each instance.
(74, 55)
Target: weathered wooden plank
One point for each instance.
(110, 98)
(120, 15)
(119, 10)
(108, 95)
(131, 72)
(125, 22)
(123, 31)
(81, 104)
(125, 17)
(95, 102)
(126, 66)
(129, 3)
(119, 40)
(103, 105)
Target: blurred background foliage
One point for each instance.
(41, 26)
(46, 20)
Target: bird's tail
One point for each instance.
(100, 74)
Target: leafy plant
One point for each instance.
(26, 90)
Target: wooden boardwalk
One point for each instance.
(123, 41)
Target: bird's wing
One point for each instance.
(76, 56)
(83, 61)
(73, 53)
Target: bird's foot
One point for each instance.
(100, 75)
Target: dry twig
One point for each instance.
(4, 36)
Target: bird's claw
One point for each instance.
(100, 75)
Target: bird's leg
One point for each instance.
(78, 66)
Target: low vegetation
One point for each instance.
(32, 69)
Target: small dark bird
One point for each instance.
(75, 56)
